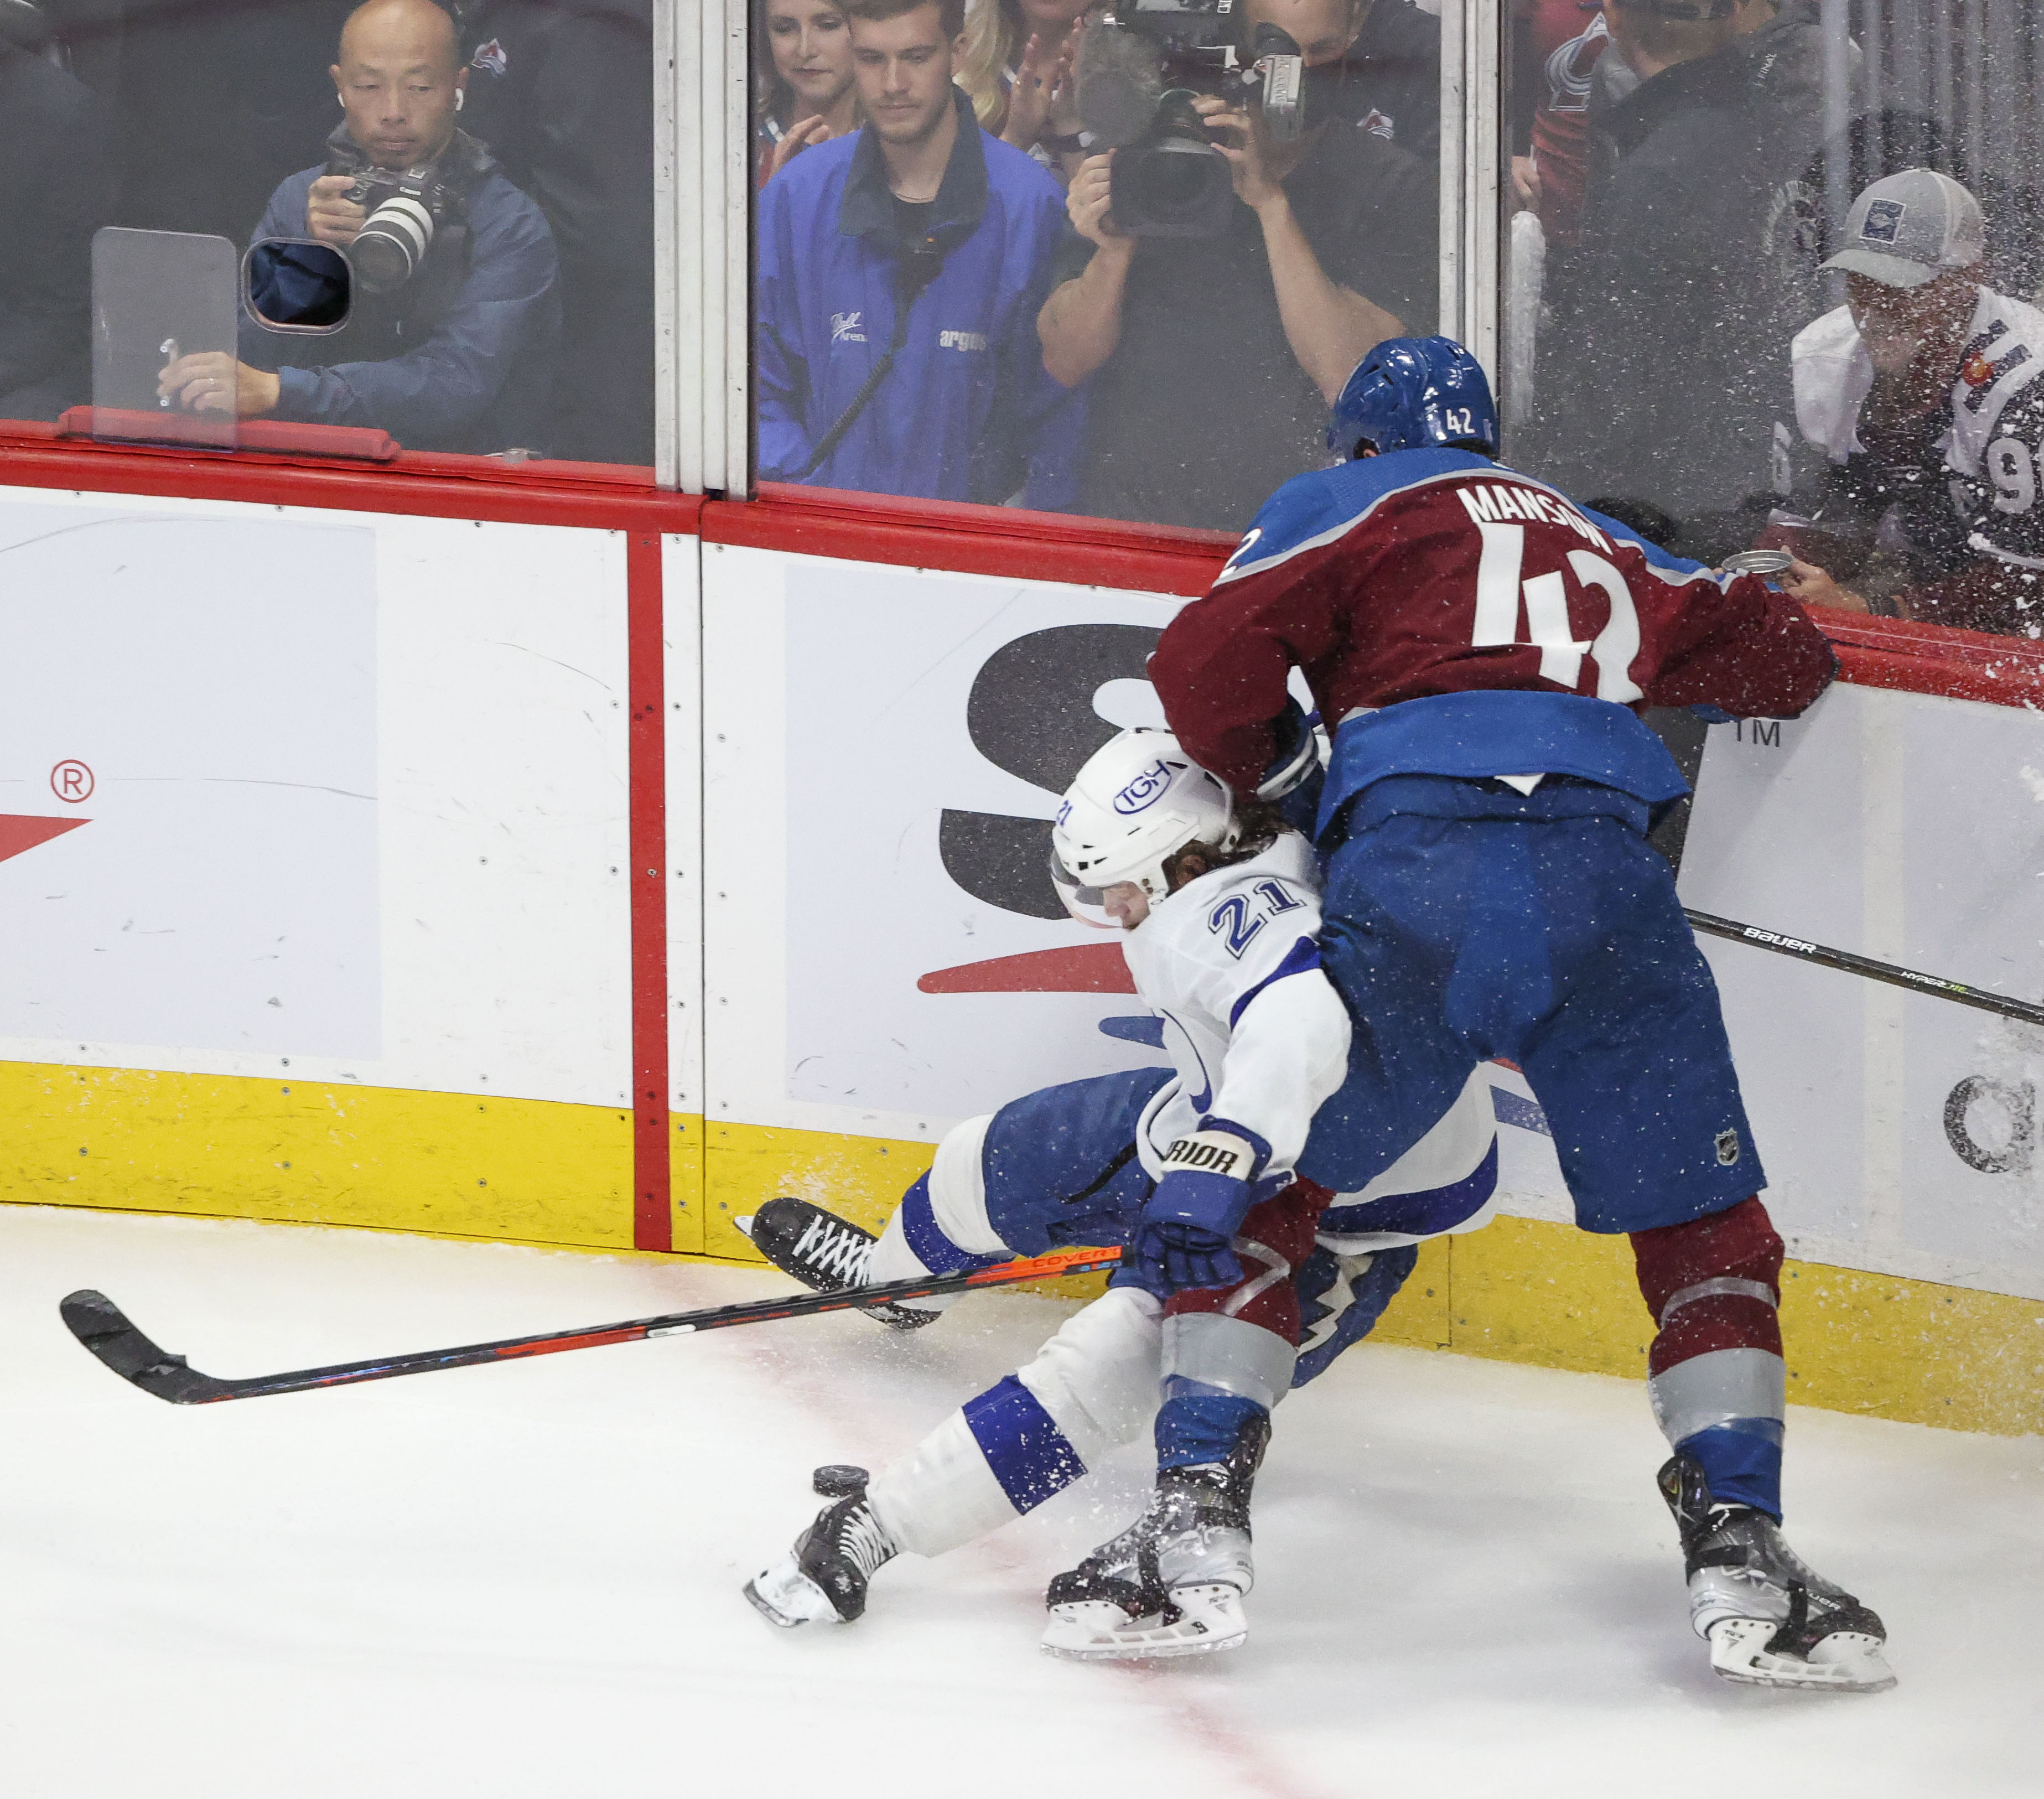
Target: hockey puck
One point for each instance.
(839, 1480)
(1757, 562)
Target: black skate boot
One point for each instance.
(823, 1579)
(1769, 1619)
(1172, 1584)
(825, 1253)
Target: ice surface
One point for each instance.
(522, 1582)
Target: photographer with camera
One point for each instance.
(456, 325)
(1258, 231)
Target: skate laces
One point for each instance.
(839, 1250)
(862, 1538)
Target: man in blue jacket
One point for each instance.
(900, 273)
(460, 355)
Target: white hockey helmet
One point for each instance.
(1137, 802)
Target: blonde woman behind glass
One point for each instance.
(805, 80)
(1017, 71)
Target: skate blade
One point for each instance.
(784, 1595)
(1844, 1661)
(1210, 1619)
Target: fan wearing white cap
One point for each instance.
(1922, 391)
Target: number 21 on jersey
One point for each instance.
(1239, 919)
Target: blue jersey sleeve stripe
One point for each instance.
(1310, 511)
(1304, 955)
(1424, 1214)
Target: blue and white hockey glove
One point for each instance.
(1183, 1236)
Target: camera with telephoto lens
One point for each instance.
(1140, 68)
(405, 208)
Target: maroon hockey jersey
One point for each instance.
(1426, 572)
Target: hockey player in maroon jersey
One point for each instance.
(1481, 645)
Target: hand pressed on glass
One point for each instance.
(214, 381)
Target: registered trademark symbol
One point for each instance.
(72, 781)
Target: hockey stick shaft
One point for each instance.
(1803, 951)
(101, 1325)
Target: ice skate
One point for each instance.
(1769, 1619)
(1172, 1583)
(825, 1253)
(823, 1579)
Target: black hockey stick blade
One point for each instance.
(104, 1328)
(1803, 951)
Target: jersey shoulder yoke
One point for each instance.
(1311, 510)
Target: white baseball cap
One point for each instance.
(1911, 228)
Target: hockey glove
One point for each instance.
(1182, 1239)
(1294, 780)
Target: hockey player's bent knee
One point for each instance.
(1097, 1376)
(1091, 1388)
(941, 1226)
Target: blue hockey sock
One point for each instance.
(1743, 1462)
(1194, 1428)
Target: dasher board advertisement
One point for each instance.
(885, 955)
(339, 794)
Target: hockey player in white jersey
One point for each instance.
(1191, 1168)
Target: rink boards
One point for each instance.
(589, 883)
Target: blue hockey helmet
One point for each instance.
(1414, 394)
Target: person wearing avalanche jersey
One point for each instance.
(1481, 645)
(1565, 39)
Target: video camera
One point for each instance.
(1140, 68)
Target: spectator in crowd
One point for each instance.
(806, 93)
(55, 189)
(461, 355)
(1663, 378)
(1017, 71)
(1922, 393)
(1213, 359)
(899, 274)
(1388, 79)
(1558, 45)
(1783, 42)
(561, 92)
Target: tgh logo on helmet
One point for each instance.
(1144, 790)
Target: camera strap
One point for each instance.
(916, 272)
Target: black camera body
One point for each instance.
(407, 207)
(1140, 68)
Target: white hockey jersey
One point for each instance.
(1995, 428)
(1231, 963)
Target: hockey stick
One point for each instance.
(103, 1328)
(1845, 959)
